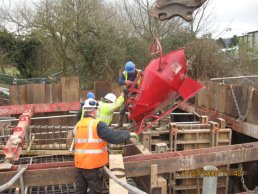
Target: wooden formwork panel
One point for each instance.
(190, 136)
(224, 101)
(57, 93)
(101, 88)
(116, 88)
(70, 89)
(203, 96)
(201, 138)
(220, 97)
(194, 140)
(252, 115)
(216, 96)
(36, 94)
(53, 93)
(213, 95)
(242, 94)
(18, 94)
(67, 91)
(207, 97)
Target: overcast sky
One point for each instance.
(240, 16)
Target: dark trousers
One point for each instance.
(122, 115)
(91, 179)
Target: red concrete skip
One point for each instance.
(39, 108)
(159, 87)
(163, 80)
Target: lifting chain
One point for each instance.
(236, 104)
(242, 177)
(249, 105)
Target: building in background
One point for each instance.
(251, 40)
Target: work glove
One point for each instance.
(134, 135)
(128, 82)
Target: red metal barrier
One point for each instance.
(12, 150)
(39, 108)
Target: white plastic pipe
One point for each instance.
(209, 184)
(13, 180)
(123, 184)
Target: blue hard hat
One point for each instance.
(130, 67)
(90, 95)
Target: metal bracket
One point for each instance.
(166, 9)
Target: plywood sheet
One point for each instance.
(57, 93)
(252, 115)
(18, 94)
(202, 97)
(101, 88)
(36, 93)
(70, 89)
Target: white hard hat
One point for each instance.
(111, 97)
(90, 104)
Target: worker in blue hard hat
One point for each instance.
(127, 78)
(90, 95)
(80, 112)
(129, 75)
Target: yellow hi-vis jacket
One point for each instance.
(90, 150)
(138, 71)
(105, 110)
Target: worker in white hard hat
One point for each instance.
(91, 137)
(80, 111)
(107, 106)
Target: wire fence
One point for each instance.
(251, 80)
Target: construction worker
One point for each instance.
(127, 78)
(90, 95)
(107, 106)
(79, 113)
(90, 155)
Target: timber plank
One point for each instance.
(216, 156)
(54, 176)
(116, 161)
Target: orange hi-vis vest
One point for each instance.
(90, 150)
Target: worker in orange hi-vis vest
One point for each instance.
(91, 137)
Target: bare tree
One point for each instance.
(147, 27)
(203, 20)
